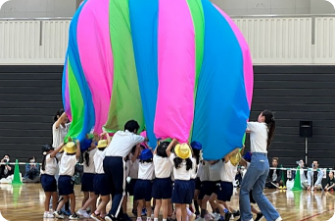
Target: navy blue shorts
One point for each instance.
(143, 190)
(101, 186)
(65, 185)
(197, 183)
(87, 182)
(182, 192)
(131, 187)
(162, 188)
(225, 191)
(49, 183)
(206, 189)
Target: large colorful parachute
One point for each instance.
(181, 68)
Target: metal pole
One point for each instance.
(306, 150)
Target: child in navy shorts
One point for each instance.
(225, 192)
(89, 200)
(182, 169)
(162, 186)
(196, 150)
(65, 183)
(143, 186)
(134, 161)
(48, 170)
(101, 185)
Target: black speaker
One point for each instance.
(306, 129)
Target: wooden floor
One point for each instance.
(25, 202)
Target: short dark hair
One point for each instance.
(161, 149)
(276, 159)
(131, 126)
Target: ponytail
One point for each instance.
(271, 124)
(271, 130)
(177, 161)
(43, 161)
(87, 158)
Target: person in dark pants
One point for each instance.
(114, 165)
(274, 177)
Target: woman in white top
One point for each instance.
(182, 170)
(261, 134)
(87, 187)
(101, 185)
(162, 186)
(48, 181)
(143, 186)
(65, 184)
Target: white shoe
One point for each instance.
(200, 219)
(83, 213)
(232, 217)
(48, 215)
(58, 215)
(192, 217)
(279, 219)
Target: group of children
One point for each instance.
(171, 174)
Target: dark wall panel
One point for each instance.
(298, 93)
(30, 96)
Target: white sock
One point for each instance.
(155, 219)
(164, 220)
(189, 213)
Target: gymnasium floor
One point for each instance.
(25, 203)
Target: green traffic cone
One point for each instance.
(17, 179)
(297, 181)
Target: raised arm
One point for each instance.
(54, 153)
(78, 150)
(60, 120)
(169, 148)
(227, 157)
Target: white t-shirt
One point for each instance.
(204, 171)
(67, 165)
(163, 166)
(98, 162)
(51, 166)
(146, 171)
(122, 143)
(258, 137)
(181, 173)
(58, 134)
(90, 168)
(133, 167)
(228, 172)
(194, 168)
(215, 171)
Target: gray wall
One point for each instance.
(274, 7)
(38, 8)
(298, 93)
(29, 98)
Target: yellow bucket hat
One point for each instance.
(70, 147)
(102, 144)
(182, 151)
(236, 158)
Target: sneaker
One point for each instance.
(236, 214)
(58, 215)
(83, 213)
(74, 216)
(144, 212)
(139, 219)
(208, 217)
(108, 218)
(227, 216)
(95, 217)
(200, 219)
(232, 217)
(192, 217)
(279, 219)
(148, 218)
(47, 215)
(259, 216)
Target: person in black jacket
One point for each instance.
(6, 169)
(274, 177)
